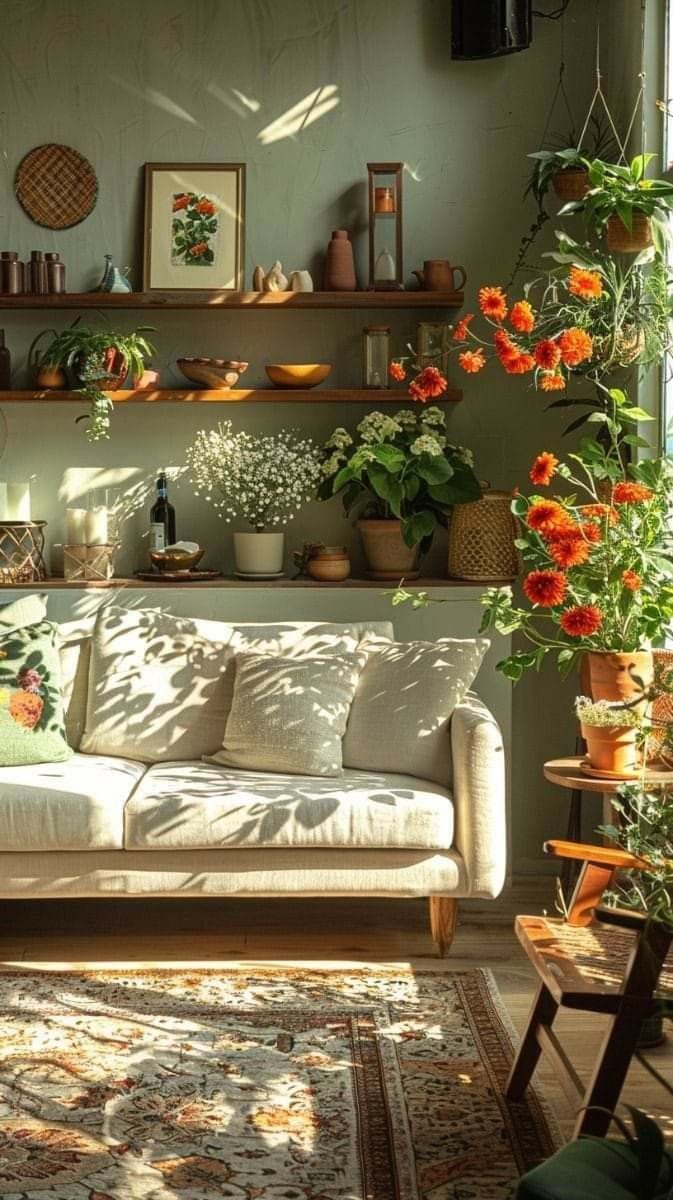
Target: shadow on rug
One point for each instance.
(259, 1084)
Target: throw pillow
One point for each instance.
(27, 610)
(399, 719)
(288, 715)
(31, 710)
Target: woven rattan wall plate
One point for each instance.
(56, 186)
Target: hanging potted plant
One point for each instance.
(264, 479)
(634, 211)
(611, 734)
(565, 165)
(400, 478)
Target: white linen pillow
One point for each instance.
(399, 719)
(288, 715)
(27, 610)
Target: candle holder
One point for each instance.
(86, 564)
(386, 268)
(21, 552)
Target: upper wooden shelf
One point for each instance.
(273, 300)
(234, 396)
(227, 581)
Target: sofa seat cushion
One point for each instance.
(73, 805)
(196, 806)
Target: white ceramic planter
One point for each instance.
(259, 553)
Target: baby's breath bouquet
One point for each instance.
(266, 479)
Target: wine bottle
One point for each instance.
(162, 518)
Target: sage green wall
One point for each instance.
(177, 80)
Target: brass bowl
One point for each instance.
(221, 373)
(170, 561)
(297, 375)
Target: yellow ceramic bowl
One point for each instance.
(172, 561)
(297, 375)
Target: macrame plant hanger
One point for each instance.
(599, 97)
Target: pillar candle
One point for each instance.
(75, 524)
(96, 526)
(18, 502)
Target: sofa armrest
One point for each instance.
(479, 796)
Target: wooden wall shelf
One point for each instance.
(58, 584)
(249, 300)
(371, 396)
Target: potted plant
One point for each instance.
(264, 479)
(400, 477)
(565, 166)
(634, 210)
(611, 734)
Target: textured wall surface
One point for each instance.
(305, 92)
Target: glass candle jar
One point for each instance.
(384, 200)
(375, 356)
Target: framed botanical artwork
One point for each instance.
(194, 224)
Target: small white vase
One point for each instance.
(259, 553)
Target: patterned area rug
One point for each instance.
(259, 1084)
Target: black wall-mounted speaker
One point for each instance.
(488, 28)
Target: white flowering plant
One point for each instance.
(264, 479)
(400, 466)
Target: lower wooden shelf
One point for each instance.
(231, 396)
(58, 584)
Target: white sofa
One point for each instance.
(98, 825)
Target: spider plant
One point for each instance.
(621, 192)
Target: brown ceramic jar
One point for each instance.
(340, 265)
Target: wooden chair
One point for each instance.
(602, 960)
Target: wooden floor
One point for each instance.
(350, 932)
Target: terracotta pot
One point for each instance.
(331, 565)
(388, 556)
(621, 241)
(616, 676)
(51, 377)
(571, 184)
(611, 749)
(340, 266)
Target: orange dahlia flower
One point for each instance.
(585, 284)
(431, 382)
(180, 202)
(631, 493)
(26, 708)
(206, 208)
(632, 581)
(460, 332)
(581, 621)
(493, 303)
(522, 317)
(576, 347)
(543, 469)
(472, 361)
(518, 364)
(547, 354)
(591, 531)
(547, 517)
(397, 371)
(505, 348)
(547, 588)
(568, 548)
(551, 381)
(600, 512)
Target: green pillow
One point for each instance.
(32, 728)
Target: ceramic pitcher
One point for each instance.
(438, 275)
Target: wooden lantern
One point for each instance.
(21, 552)
(386, 269)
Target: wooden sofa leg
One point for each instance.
(443, 918)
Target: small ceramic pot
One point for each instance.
(618, 676)
(340, 264)
(51, 377)
(259, 553)
(388, 556)
(148, 379)
(330, 565)
(612, 750)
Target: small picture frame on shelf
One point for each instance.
(194, 227)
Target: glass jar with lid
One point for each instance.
(375, 355)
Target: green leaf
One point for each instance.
(412, 486)
(434, 469)
(341, 478)
(635, 413)
(418, 526)
(390, 457)
(387, 487)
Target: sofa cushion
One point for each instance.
(73, 805)
(27, 610)
(32, 728)
(160, 687)
(75, 652)
(399, 719)
(186, 805)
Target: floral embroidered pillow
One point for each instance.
(31, 712)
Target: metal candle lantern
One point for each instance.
(386, 270)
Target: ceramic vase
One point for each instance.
(388, 556)
(340, 265)
(259, 554)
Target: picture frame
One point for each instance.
(194, 227)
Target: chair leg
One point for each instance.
(607, 1080)
(443, 919)
(543, 1011)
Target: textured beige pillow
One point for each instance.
(289, 714)
(27, 610)
(399, 719)
(160, 686)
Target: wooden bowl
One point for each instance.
(213, 373)
(297, 375)
(175, 560)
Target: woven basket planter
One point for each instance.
(621, 241)
(572, 184)
(481, 539)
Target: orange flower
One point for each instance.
(26, 708)
(545, 587)
(631, 493)
(493, 303)
(428, 384)
(198, 249)
(600, 512)
(418, 393)
(505, 348)
(576, 347)
(591, 531)
(568, 548)
(546, 517)
(552, 382)
(397, 371)
(180, 202)
(206, 208)
(585, 284)
(581, 621)
(460, 332)
(547, 354)
(632, 581)
(518, 364)
(472, 361)
(543, 469)
(522, 317)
